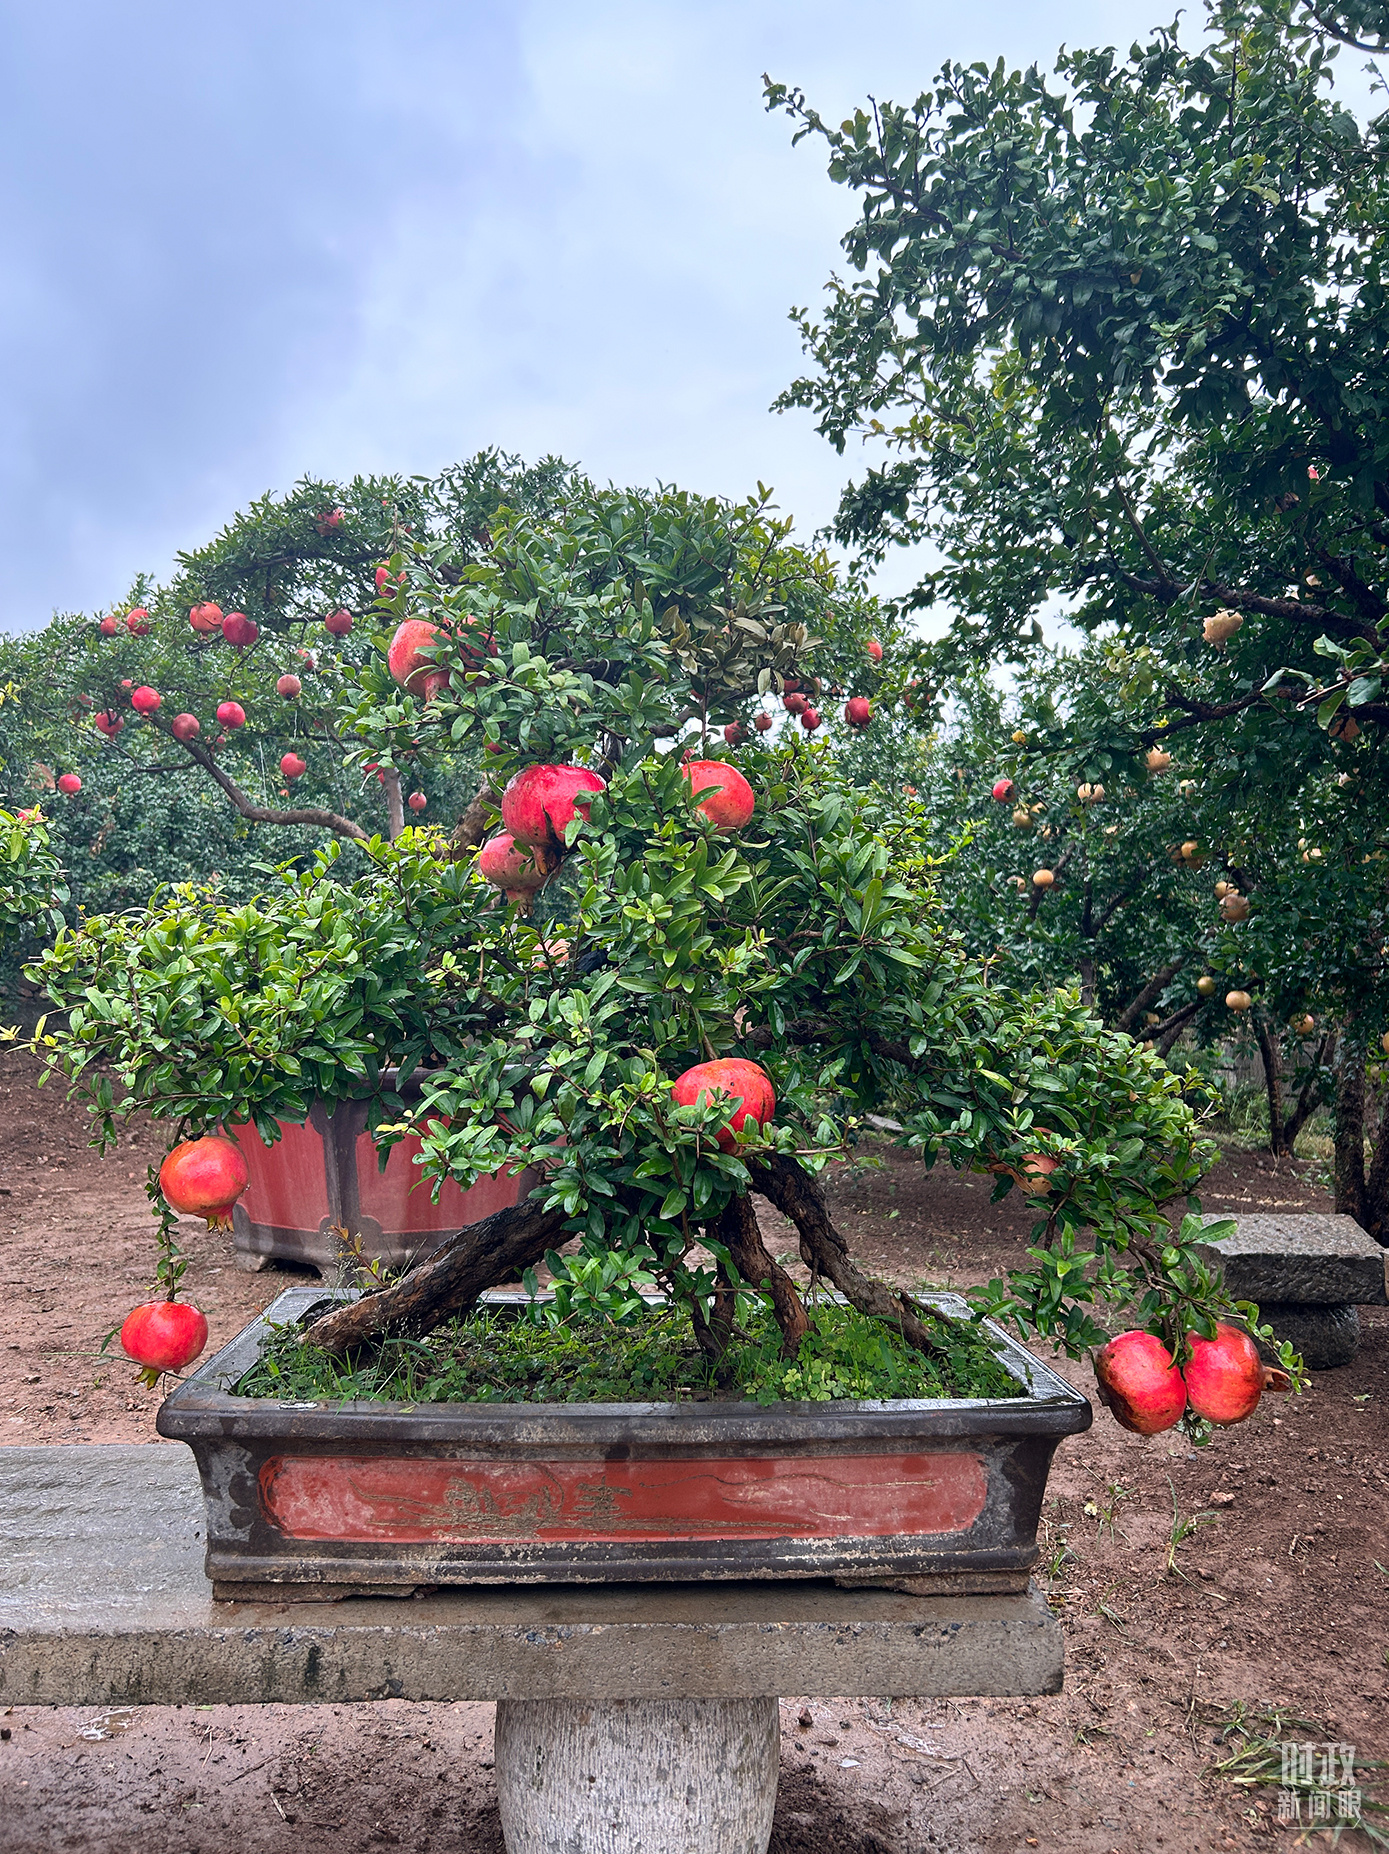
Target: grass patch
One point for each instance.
(1256, 1743)
(501, 1356)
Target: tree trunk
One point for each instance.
(1153, 989)
(737, 1230)
(1376, 1209)
(1278, 1142)
(1166, 1033)
(499, 1248)
(1311, 1094)
(1350, 1131)
(714, 1331)
(395, 804)
(823, 1250)
(1087, 981)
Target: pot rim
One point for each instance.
(204, 1406)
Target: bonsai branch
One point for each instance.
(803, 1030)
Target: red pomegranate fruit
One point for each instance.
(728, 799)
(138, 622)
(238, 629)
(69, 783)
(734, 734)
(382, 575)
(874, 649)
(292, 766)
(541, 802)
(108, 724)
(339, 623)
(810, 720)
(163, 1335)
(203, 1178)
(206, 618)
(417, 801)
(185, 727)
(518, 869)
(1225, 1377)
(231, 714)
(145, 700)
(289, 687)
(744, 1082)
(1138, 1383)
(108, 627)
(762, 722)
(418, 673)
(328, 521)
(794, 703)
(1003, 790)
(858, 711)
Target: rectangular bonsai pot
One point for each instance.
(334, 1499)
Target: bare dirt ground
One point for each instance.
(1273, 1604)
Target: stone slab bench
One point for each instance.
(1309, 1274)
(652, 1706)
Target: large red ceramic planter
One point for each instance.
(336, 1499)
(319, 1192)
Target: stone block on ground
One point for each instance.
(1326, 1336)
(1302, 1259)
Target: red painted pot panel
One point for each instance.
(399, 1198)
(397, 1501)
(287, 1187)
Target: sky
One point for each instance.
(249, 240)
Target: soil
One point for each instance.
(1272, 1609)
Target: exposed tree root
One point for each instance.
(798, 1196)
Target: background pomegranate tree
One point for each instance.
(657, 933)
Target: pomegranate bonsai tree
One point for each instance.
(668, 1010)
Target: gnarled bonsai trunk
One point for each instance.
(499, 1248)
(824, 1251)
(737, 1230)
(502, 1246)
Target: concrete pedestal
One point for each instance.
(631, 1719)
(661, 1776)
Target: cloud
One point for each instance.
(254, 241)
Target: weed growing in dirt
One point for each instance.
(1182, 1530)
(649, 1354)
(1259, 1739)
(1104, 1511)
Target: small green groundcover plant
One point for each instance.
(599, 1336)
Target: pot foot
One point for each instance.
(637, 1776)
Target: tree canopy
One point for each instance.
(1119, 336)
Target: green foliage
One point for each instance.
(615, 629)
(1119, 340)
(200, 1012)
(585, 1356)
(31, 885)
